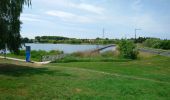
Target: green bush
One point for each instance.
(157, 43)
(165, 44)
(153, 43)
(128, 49)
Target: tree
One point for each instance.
(26, 40)
(165, 44)
(38, 38)
(10, 11)
(128, 49)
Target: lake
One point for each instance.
(67, 48)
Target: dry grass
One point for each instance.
(86, 54)
(145, 55)
(114, 53)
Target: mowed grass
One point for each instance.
(151, 67)
(143, 79)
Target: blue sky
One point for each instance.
(87, 18)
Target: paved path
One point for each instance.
(155, 51)
(16, 59)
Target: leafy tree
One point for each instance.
(38, 38)
(10, 11)
(140, 40)
(26, 40)
(128, 49)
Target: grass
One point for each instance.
(108, 56)
(147, 78)
(69, 58)
(152, 67)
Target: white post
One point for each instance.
(5, 50)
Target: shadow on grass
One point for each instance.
(68, 60)
(18, 71)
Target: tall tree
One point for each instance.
(10, 24)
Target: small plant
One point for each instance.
(128, 49)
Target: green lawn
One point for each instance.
(143, 79)
(156, 67)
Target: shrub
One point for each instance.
(157, 43)
(153, 43)
(165, 44)
(128, 49)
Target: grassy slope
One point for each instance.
(75, 82)
(153, 67)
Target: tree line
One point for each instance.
(127, 47)
(60, 39)
(145, 41)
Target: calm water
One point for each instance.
(67, 48)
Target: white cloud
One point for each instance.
(137, 5)
(51, 2)
(69, 4)
(119, 16)
(30, 19)
(145, 21)
(33, 18)
(88, 7)
(29, 15)
(75, 11)
(67, 16)
(61, 14)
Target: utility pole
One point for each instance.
(136, 32)
(103, 36)
(103, 33)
